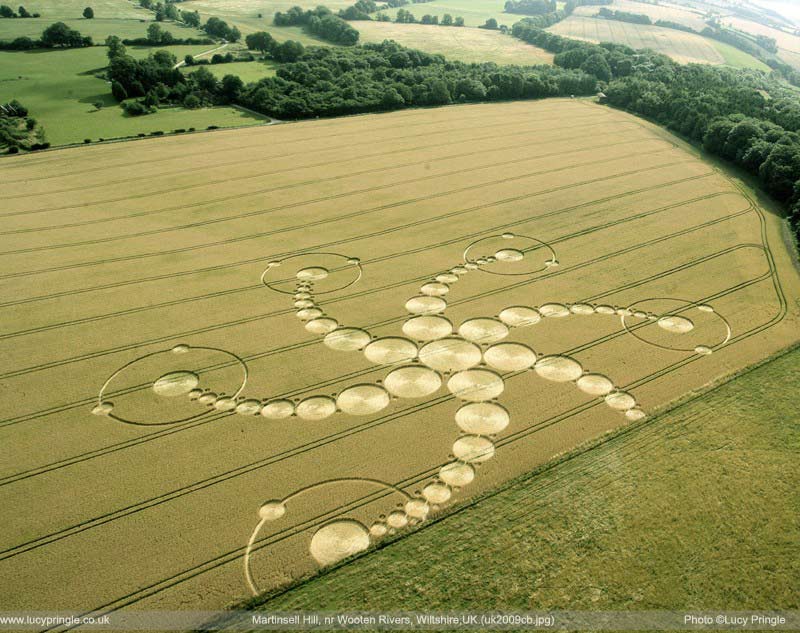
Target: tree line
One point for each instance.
(57, 35)
(323, 81)
(320, 22)
(624, 16)
(7, 12)
(530, 7)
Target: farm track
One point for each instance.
(692, 191)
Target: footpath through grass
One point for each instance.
(695, 509)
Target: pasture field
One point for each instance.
(464, 44)
(691, 509)
(245, 355)
(682, 47)
(474, 12)
(681, 15)
(112, 17)
(246, 71)
(60, 87)
(256, 15)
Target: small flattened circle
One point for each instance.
(390, 351)
(509, 357)
(412, 382)
(520, 316)
(473, 448)
(483, 330)
(482, 418)
(450, 354)
(176, 383)
(427, 328)
(558, 368)
(316, 408)
(476, 385)
(363, 399)
(347, 339)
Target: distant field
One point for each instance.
(682, 47)
(474, 12)
(685, 16)
(245, 354)
(788, 43)
(246, 71)
(98, 28)
(112, 17)
(59, 88)
(691, 511)
(464, 44)
(56, 10)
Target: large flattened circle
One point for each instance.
(338, 540)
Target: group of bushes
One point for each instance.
(217, 58)
(387, 76)
(263, 42)
(57, 35)
(18, 130)
(624, 16)
(320, 22)
(158, 36)
(220, 29)
(7, 12)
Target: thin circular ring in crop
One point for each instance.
(510, 254)
(348, 261)
(111, 411)
(674, 321)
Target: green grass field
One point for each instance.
(98, 28)
(112, 17)
(256, 15)
(694, 509)
(246, 71)
(738, 59)
(474, 12)
(464, 44)
(59, 88)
